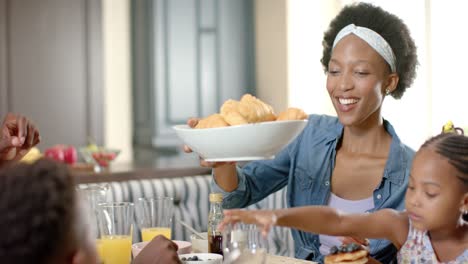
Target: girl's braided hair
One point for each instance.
(454, 147)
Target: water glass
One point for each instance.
(244, 244)
(92, 195)
(154, 216)
(115, 226)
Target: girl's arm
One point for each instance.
(387, 223)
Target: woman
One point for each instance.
(354, 162)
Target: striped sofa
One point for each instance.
(192, 205)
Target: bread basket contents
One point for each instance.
(243, 130)
(248, 110)
(292, 113)
(212, 121)
(351, 253)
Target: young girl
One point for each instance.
(434, 227)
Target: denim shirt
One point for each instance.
(305, 166)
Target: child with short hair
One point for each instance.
(432, 229)
(40, 217)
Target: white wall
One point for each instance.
(307, 21)
(411, 115)
(271, 52)
(117, 77)
(449, 57)
(288, 51)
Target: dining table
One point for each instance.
(275, 259)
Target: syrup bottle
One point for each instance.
(215, 216)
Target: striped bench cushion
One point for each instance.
(192, 205)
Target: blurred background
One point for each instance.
(121, 73)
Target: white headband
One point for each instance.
(372, 38)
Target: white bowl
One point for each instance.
(204, 258)
(184, 247)
(199, 245)
(241, 143)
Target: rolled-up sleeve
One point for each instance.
(236, 198)
(257, 180)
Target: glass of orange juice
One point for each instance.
(154, 216)
(115, 226)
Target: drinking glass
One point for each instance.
(115, 226)
(154, 216)
(243, 244)
(91, 196)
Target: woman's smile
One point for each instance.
(346, 104)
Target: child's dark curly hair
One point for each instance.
(37, 207)
(454, 147)
(390, 27)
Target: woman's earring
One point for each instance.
(387, 91)
(463, 219)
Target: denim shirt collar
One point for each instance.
(397, 156)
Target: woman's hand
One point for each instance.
(265, 219)
(18, 136)
(192, 122)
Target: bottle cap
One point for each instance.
(216, 197)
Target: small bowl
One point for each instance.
(184, 247)
(203, 258)
(101, 156)
(199, 245)
(243, 142)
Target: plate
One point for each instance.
(256, 141)
(203, 258)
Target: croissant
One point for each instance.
(229, 111)
(215, 120)
(248, 110)
(292, 114)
